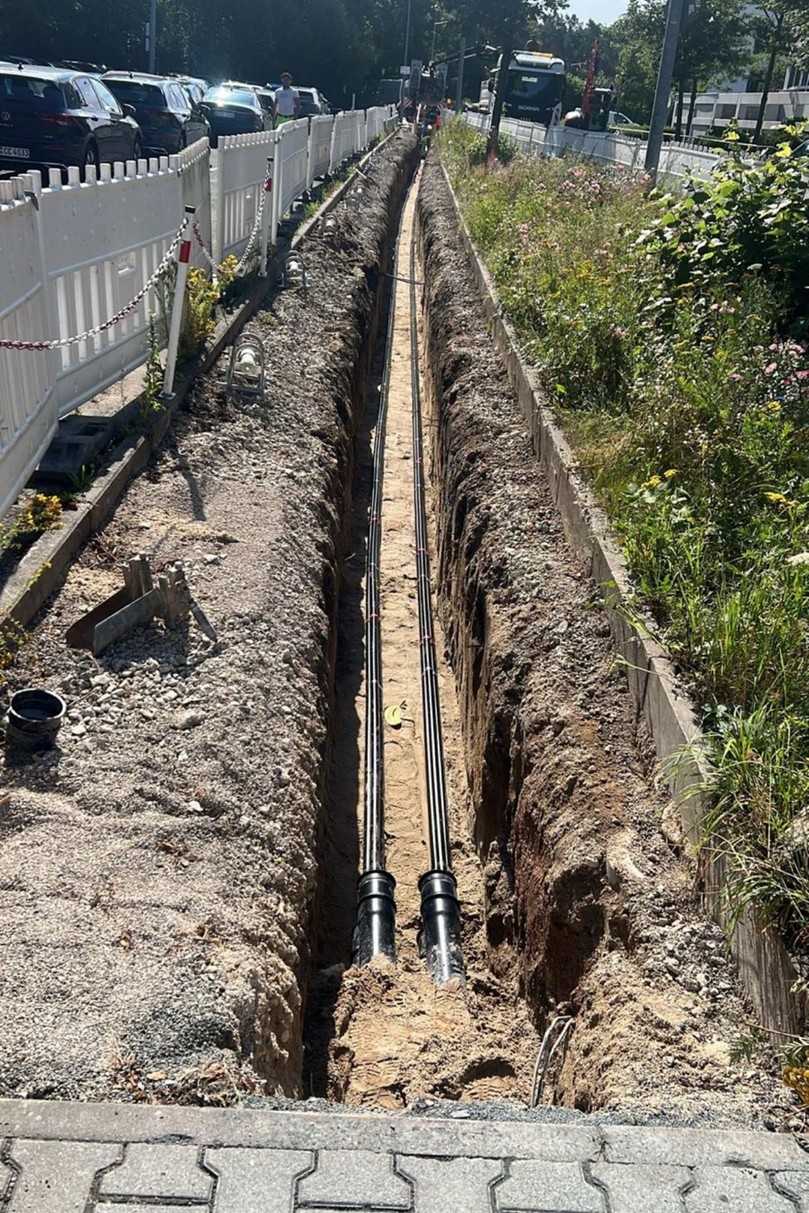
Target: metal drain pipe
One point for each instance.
(375, 922)
(440, 909)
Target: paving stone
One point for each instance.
(459, 1184)
(547, 1187)
(796, 1185)
(703, 1148)
(55, 1176)
(638, 1189)
(734, 1190)
(257, 1181)
(354, 1179)
(158, 1171)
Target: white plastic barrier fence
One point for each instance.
(81, 263)
(343, 140)
(102, 242)
(238, 175)
(319, 148)
(194, 167)
(676, 159)
(291, 169)
(28, 414)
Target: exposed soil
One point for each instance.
(385, 1036)
(588, 893)
(158, 871)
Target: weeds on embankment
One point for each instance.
(670, 335)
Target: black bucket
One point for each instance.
(34, 718)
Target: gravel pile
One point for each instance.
(588, 891)
(159, 870)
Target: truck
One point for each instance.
(535, 86)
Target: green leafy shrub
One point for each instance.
(669, 333)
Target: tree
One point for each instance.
(714, 42)
(784, 30)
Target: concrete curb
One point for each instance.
(766, 971)
(44, 566)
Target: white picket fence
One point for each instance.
(677, 160)
(74, 257)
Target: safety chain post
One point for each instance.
(183, 259)
(265, 220)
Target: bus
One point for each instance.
(534, 87)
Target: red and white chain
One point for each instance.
(8, 343)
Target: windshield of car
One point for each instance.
(133, 92)
(45, 95)
(231, 96)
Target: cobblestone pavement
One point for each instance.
(84, 1158)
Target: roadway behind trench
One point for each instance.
(383, 1036)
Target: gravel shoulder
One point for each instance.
(159, 870)
(589, 894)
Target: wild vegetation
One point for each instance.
(671, 336)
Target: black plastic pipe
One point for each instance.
(375, 922)
(440, 909)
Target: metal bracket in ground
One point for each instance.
(375, 923)
(440, 936)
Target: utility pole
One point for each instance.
(499, 98)
(153, 36)
(407, 33)
(665, 75)
(461, 57)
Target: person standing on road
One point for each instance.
(287, 100)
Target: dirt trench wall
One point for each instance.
(159, 870)
(584, 894)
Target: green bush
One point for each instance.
(669, 334)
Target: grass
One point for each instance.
(670, 338)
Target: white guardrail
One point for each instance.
(678, 160)
(80, 262)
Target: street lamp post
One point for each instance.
(435, 29)
(407, 33)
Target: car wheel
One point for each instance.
(91, 158)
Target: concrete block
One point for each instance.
(350, 1179)
(703, 1148)
(442, 1184)
(547, 1187)
(257, 1181)
(795, 1185)
(57, 1176)
(721, 1189)
(639, 1189)
(158, 1171)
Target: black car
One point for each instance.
(266, 95)
(164, 110)
(233, 110)
(55, 118)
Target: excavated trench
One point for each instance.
(576, 895)
(187, 859)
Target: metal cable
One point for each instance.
(374, 819)
(437, 801)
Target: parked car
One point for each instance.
(616, 118)
(167, 117)
(265, 94)
(195, 86)
(79, 65)
(234, 111)
(311, 103)
(52, 117)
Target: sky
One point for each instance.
(603, 11)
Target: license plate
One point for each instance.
(17, 153)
